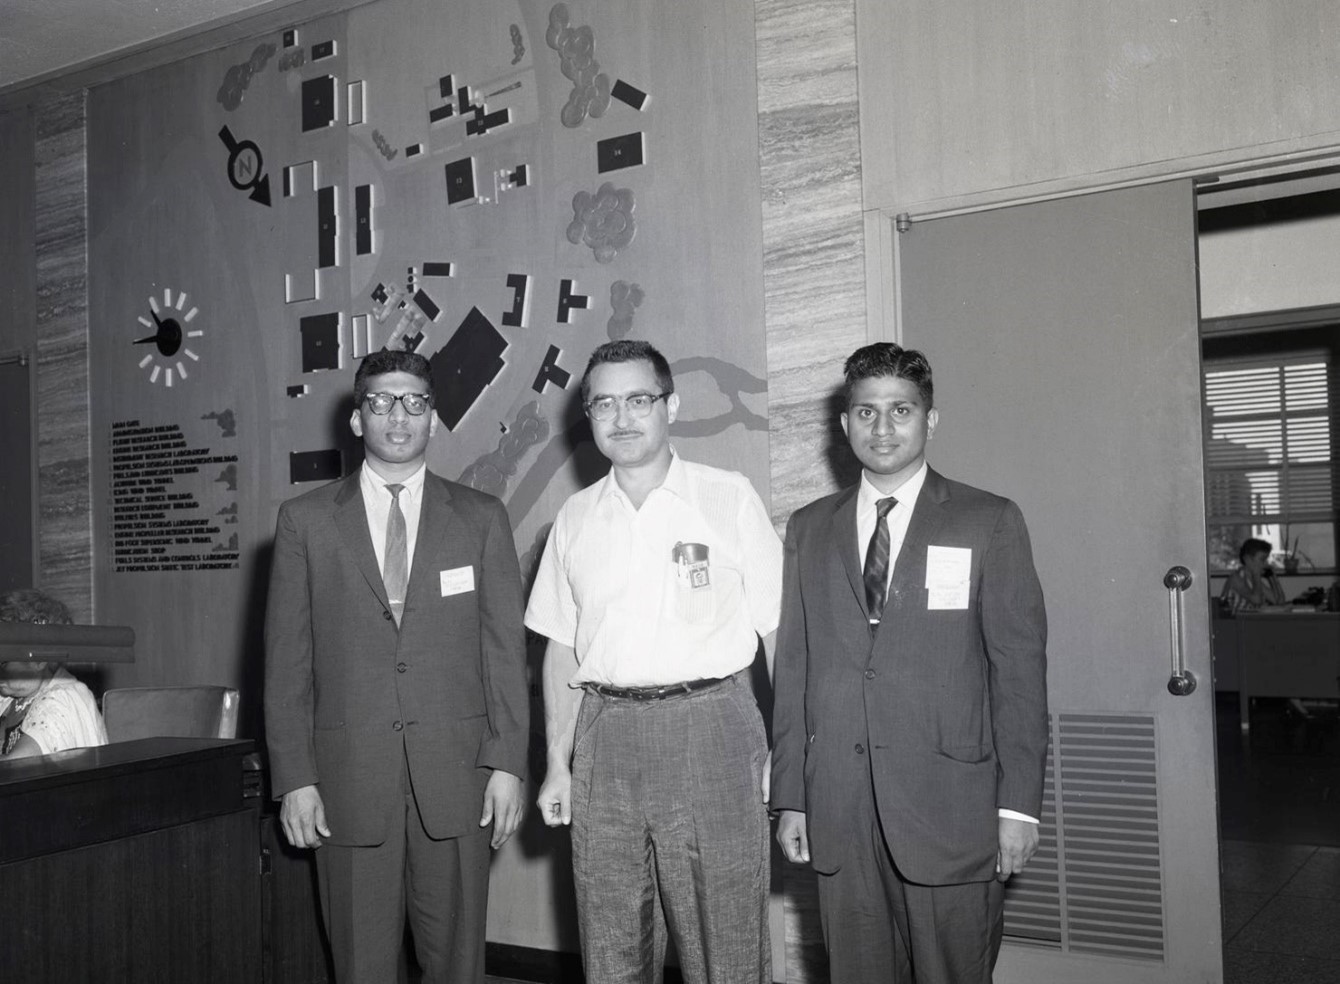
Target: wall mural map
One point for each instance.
(500, 187)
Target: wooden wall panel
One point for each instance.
(167, 216)
(18, 264)
(963, 101)
(18, 339)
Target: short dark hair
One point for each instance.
(1252, 546)
(381, 362)
(888, 359)
(34, 607)
(629, 350)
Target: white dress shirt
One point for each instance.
(609, 585)
(377, 504)
(898, 518)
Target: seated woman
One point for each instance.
(42, 708)
(1253, 585)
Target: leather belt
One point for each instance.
(656, 693)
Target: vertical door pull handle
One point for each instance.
(1183, 681)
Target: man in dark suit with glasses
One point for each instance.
(395, 693)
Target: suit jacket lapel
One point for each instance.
(351, 519)
(909, 569)
(435, 519)
(844, 540)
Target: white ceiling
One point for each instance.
(40, 38)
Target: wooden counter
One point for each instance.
(1277, 654)
(133, 862)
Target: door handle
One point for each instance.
(1183, 681)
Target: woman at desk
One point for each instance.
(43, 709)
(1253, 585)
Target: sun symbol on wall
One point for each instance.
(170, 333)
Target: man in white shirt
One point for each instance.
(654, 590)
(395, 689)
(910, 722)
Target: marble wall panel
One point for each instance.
(813, 237)
(814, 292)
(65, 531)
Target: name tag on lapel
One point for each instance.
(458, 580)
(948, 573)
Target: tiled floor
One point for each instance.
(1279, 795)
(1279, 800)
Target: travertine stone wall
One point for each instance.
(65, 529)
(813, 242)
(814, 294)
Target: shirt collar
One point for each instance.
(906, 494)
(676, 481)
(370, 482)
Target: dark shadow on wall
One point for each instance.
(842, 464)
(343, 438)
(554, 844)
(251, 659)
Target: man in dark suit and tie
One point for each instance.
(910, 725)
(395, 692)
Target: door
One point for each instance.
(1064, 340)
(17, 500)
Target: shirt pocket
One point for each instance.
(695, 605)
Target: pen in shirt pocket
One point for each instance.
(691, 559)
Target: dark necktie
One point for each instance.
(395, 567)
(877, 560)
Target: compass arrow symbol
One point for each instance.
(261, 193)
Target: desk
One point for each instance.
(133, 862)
(1278, 654)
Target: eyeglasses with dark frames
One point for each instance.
(415, 404)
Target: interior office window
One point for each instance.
(1269, 442)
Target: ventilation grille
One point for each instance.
(1033, 897)
(1095, 885)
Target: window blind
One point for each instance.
(1269, 441)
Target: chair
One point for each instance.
(172, 712)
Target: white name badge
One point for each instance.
(948, 574)
(458, 580)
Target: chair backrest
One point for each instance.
(172, 712)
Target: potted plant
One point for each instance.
(1292, 555)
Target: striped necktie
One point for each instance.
(876, 572)
(395, 567)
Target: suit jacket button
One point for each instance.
(860, 749)
(397, 726)
(401, 667)
(387, 616)
(870, 674)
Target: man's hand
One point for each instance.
(555, 799)
(303, 817)
(503, 806)
(1018, 841)
(794, 837)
